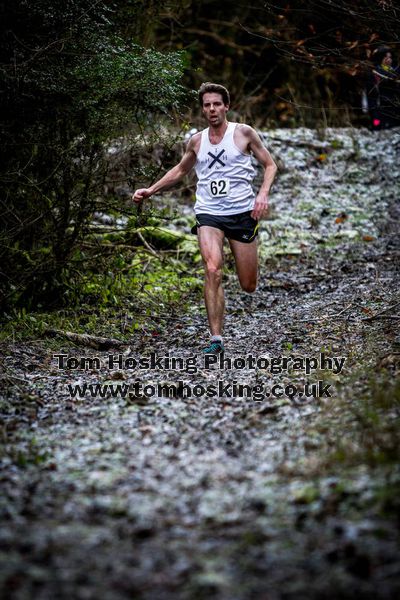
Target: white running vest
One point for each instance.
(224, 176)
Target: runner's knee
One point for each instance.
(213, 271)
(249, 288)
(249, 285)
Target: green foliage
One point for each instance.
(71, 84)
(137, 283)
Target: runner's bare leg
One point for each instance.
(246, 263)
(211, 242)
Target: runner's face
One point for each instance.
(214, 109)
(387, 61)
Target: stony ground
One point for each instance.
(221, 496)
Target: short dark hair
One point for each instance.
(216, 88)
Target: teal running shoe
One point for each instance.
(214, 347)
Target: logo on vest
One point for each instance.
(216, 158)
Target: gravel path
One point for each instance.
(217, 496)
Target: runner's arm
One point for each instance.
(171, 177)
(265, 159)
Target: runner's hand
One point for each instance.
(260, 207)
(141, 194)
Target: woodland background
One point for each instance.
(78, 75)
(109, 494)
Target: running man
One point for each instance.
(225, 202)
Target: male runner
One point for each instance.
(225, 202)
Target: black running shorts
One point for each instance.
(241, 227)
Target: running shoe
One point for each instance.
(214, 347)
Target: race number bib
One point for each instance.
(219, 188)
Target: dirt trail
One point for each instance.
(221, 496)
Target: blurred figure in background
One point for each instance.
(383, 90)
